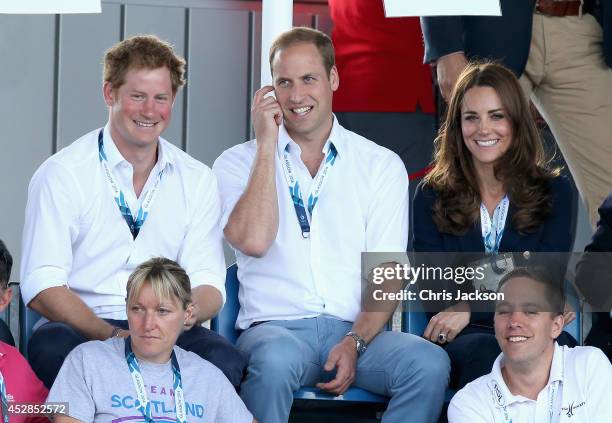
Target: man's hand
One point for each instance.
(448, 69)
(266, 114)
(448, 322)
(191, 319)
(342, 357)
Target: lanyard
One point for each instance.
(493, 229)
(5, 416)
(134, 223)
(317, 186)
(144, 405)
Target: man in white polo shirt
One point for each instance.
(534, 379)
(300, 204)
(111, 200)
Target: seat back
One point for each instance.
(225, 322)
(27, 319)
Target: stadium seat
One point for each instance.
(224, 324)
(27, 319)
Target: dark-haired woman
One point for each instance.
(490, 191)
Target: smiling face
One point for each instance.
(485, 126)
(525, 326)
(140, 109)
(154, 324)
(304, 91)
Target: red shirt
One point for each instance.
(22, 385)
(380, 60)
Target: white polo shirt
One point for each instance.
(579, 387)
(75, 235)
(363, 206)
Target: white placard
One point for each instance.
(50, 6)
(397, 8)
(276, 17)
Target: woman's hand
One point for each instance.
(446, 325)
(568, 314)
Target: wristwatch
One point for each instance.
(360, 343)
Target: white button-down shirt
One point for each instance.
(362, 207)
(75, 235)
(579, 387)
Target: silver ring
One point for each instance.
(442, 337)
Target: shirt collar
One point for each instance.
(556, 374)
(114, 156)
(499, 390)
(556, 367)
(335, 137)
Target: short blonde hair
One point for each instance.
(166, 277)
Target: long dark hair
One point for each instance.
(523, 169)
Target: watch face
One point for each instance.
(359, 342)
(361, 347)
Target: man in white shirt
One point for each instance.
(534, 379)
(113, 199)
(300, 205)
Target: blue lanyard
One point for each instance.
(5, 416)
(317, 186)
(144, 405)
(493, 229)
(133, 223)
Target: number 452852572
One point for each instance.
(35, 409)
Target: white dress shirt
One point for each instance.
(363, 207)
(75, 235)
(579, 386)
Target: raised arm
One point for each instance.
(253, 223)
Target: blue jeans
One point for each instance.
(284, 355)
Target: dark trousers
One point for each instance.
(51, 343)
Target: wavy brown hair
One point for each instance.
(523, 168)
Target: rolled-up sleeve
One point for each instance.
(51, 226)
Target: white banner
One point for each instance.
(397, 8)
(50, 6)
(276, 18)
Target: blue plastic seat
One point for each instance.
(224, 324)
(27, 319)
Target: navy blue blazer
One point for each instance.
(554, 235)
(506, 38)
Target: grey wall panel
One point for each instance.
(218, 63)
(83, 41)
(26, 115)
(167, 23)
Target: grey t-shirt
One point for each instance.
(97, 384)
